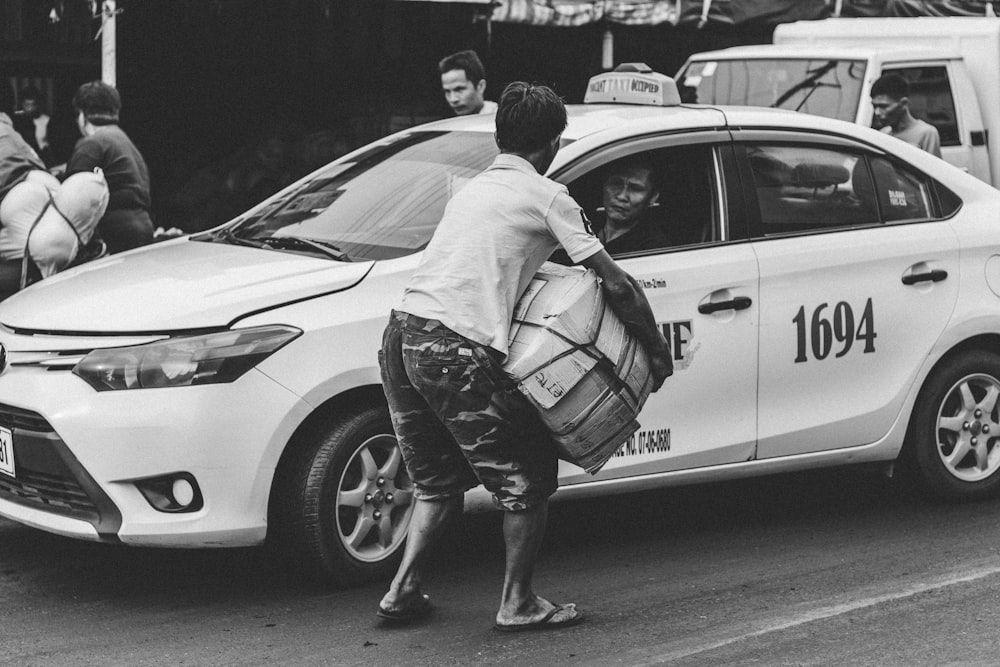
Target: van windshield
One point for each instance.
(382, 203)
(823, 87)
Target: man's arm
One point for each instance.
(932, 141)
(86, 155)
(627, 299)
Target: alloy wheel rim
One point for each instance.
(374, 500)
(967, 428)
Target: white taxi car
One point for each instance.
(831, 296)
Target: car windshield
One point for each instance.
(824, 87)
(384, 202)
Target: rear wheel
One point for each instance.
(343, 500)
(955, 433)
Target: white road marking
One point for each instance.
(670, 650)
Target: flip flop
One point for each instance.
(547, 622)
(417, 610)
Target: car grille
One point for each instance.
(12, 418)
(49, 477)
(57, 493)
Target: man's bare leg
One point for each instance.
(426, 525)
(523, 532)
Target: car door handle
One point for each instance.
(935, 276)
(739, 303)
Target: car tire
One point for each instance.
(954, 438)
(343, 501)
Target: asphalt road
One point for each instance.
(831, 568)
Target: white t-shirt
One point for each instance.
(494, 236)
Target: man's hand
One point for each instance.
(661, 367)
(626, 298)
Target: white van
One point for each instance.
(827, 68)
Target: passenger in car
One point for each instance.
(629, 220)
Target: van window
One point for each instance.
(931, 99)
(820, 86)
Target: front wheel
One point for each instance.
(955, 432)
(343, 500)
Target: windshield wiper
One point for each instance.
(228, 236)
(811, 81)
(291, 242)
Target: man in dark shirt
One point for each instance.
(126, 224)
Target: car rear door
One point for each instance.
(857, 280)
(703, 291)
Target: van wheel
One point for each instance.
(344, 501)
(955, 432)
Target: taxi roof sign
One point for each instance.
(633, 83)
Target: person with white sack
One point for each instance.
(46, 227)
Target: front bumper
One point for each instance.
(50, 479)
(79, 455)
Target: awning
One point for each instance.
(655, 12)
(765, 12)
(582, 12)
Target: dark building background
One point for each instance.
(230, 99)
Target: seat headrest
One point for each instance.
(819, 175)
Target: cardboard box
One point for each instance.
(574, 360)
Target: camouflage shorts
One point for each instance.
(459, 420)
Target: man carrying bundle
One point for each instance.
(459, 421)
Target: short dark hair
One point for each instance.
(99, 102)
(637, 161)
(528, 117)
(891, 85)
(467, 61)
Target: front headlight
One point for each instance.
(183, 361)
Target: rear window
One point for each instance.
(830, 88)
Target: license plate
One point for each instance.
(6, 451)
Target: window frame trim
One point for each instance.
(731, 225)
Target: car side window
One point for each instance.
(931, 99)
(806, 188)
(811, 188)
(652, 200)
(901, 195)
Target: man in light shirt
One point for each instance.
(891, 104)
(463, 80)
(458, 419)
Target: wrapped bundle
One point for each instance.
(52, 243)
(51, 221)
(82, 200)
(19, 210)
(572, 357)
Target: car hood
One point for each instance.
(175, 285)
